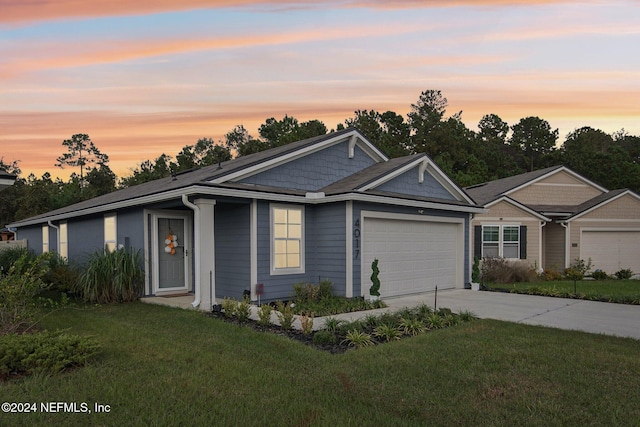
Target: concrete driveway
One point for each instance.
(596, 317)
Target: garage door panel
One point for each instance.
(414, 256)
(611, 251)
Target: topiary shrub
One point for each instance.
(374, 290)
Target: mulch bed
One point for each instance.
(293, 334)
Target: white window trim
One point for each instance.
(45, 238)
(281, 271)
(501, 241)
(107, 240)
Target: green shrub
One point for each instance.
(264, 315)
(551, 274)
(112, 276)
(332, 324)
(18, 289)
(324, 337)
(306, 323)
(500, 270)
(307, 292)
(357, 339)
(47, 352)
(599, 275)
(60, 274)
(229, 307)
(374, 290)
(8, 258)
(387, 332)
(624, 274)
(285, 315)
(243, 310)
(412, 326)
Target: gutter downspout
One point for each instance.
(196, 244)
(564, 225)
(57, 236)
(540, 267)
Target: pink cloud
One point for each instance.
(15, 11)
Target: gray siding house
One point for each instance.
(320, 208)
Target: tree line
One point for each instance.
(495, 150)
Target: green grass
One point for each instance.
(162, 366)
(622, 291)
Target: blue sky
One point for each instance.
(147, 77)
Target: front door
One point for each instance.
(171, 253)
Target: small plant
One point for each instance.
(582, 266)
(599, 275)
(306, 323)
(324, 337)
(285, 315)
(475, 271)
(264, 315)
(466, 316)
(357, 339)
(371, 320)
(229, 307)
(243, 310)
(434, 321)
(411, 326)
(551, 274)
(624, 274)
(387, 332)
(332, 324)
(374, 290)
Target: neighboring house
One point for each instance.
(6, 180)
(553, 216)
(321, 208)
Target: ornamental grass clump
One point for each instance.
(112, 277)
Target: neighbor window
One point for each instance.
(110, 234)
(287, 239)
(45, 238)
(63, 246)
(501, 241)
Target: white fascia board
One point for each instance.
(604, 202)
(6, 182)
(389, 176)
(519, 206)
(366, 146)
(555, 171)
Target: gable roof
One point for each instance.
(222, 180)
(489, 191)
(599, 201)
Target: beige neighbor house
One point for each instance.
(553, 216)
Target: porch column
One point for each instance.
(205, 252)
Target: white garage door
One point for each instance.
(611, 251)
(413, 256)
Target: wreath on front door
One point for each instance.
(171, 243)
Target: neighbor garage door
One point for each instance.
(611, 251)
(413, 256)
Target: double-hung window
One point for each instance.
(501, 241)
(287, 239)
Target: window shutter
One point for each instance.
(477, 241)
(523, 242)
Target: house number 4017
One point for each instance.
(356, 239)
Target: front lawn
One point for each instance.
(166, 366)
(621, 291)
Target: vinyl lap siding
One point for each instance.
(232, 248)
(326, 234)
(314, 171)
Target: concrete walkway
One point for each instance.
(621, 320)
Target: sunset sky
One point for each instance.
(151, 76)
